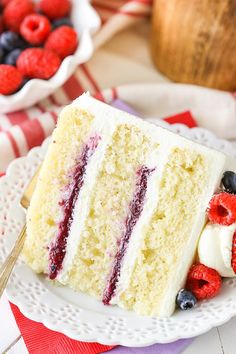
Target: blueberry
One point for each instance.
(1, 55)
(11, 40)
(229, 182)
(64, 21)
(12, 57)
(185, 300)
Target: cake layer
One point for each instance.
(71, 193)
(180, 191)
(109, 206)
(46, 211)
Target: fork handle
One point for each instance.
(8, 265)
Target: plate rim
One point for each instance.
(98, 337)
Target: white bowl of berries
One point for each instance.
(41, 44)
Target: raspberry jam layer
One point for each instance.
(57, 248)
(136, 208)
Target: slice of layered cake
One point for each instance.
(119, 207)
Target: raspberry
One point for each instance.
(233, 259)
(10, 78)
(203, 282)
(15, 12)
(55, 8)
(35, 29)
(38, 63)
(62, 41)
(1, 25)
(4, 2)
(222, 209)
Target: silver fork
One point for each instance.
(8, 265)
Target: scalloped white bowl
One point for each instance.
(78, 315)
(86, 21)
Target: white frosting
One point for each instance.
(215, 248)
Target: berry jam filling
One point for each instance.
(57, 249)
(136, 207)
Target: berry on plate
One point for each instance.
(35, 29)
(54, 9)
(15, 12)
(222, 209)
(62, 41)
(11, 58)
(4, 2)
(64, 21)
(233, 259)
(38, 63)
(1, 25)
(229, 182)
(10, 78)
(203, 282)
(185, 300)
(10, 41)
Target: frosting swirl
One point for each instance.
(215, 248)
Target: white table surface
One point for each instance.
(221, 340)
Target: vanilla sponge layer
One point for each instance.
(109, 206)
(180, 192)
(45, 213)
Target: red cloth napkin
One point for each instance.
(183, 118)
(39, 339)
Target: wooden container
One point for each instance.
(194, 41)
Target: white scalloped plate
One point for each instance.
(79, 316)
(86, 21)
